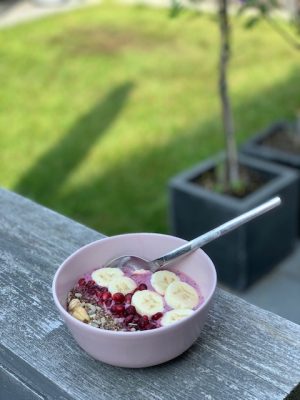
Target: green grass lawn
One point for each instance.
(100, 107)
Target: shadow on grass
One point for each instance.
(132, 196)
(49, 173)
(138, 185)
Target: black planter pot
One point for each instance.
(255, 147)
(246, 254)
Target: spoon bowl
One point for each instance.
(133, 262)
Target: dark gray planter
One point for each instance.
(254, 147)
(246, 254)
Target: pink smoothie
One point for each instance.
(139, 278)
(146, 279)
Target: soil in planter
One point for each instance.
(284, 140)
(250, 181)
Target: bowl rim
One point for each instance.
(105, 332)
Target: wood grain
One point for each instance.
(243, 353)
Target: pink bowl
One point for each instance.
(141, 348)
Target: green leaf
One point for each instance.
(263, 8)
(175, 9)
(251, 22)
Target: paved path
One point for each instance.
(279, 291)
(13, 12)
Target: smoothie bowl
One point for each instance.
(134, 318)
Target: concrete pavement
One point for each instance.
(279, 291)
(13, 12)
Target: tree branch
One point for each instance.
(282, 32)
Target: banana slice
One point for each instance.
(147, 302)
(104, 276)
(122, 285)
(175, 315)
(181, 295)
(162, 279)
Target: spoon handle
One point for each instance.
(217, 232)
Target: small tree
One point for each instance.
(232, 175)
(263, 10)
(232, 169)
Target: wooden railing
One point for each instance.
(243, 353)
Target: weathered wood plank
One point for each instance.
(12, 388)
(244, 352)
(20, 381)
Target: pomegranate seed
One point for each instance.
(142, 286)
(90, 284)
(128, 298)
(119, 297)
(92, 292)
(130, 310)
(103, 289)
(146, 319)
(99, 295)
(150, 326)
(156, 316)
(106, 296)
(81, 282)
(120, 309)
(113, 309)
(142, 323)
(108, 302)
(128, 319)
(136, 319)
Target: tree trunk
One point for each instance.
(232, 172)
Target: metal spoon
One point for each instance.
(136, 262)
